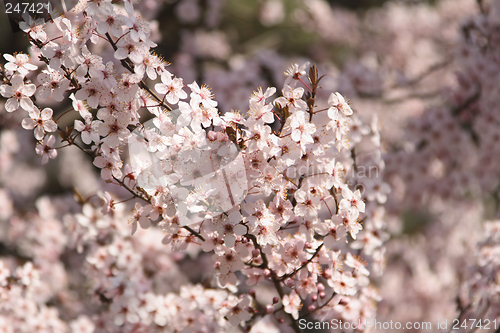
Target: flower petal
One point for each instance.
(28, 123)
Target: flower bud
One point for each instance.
(275, 300)
(314, 298)
(269, 309)
(311, 308)
(322, 294)
(212, 136)
(327, 274)
(281, 320)
(255, 253)
(321, 287)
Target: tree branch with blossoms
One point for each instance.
(257, 200)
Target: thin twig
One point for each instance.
(286, 276)
(423, 75)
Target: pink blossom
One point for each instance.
(41, 122)
(294, 72)
(292, 304)
(18, 94)
(172, 88)
(352, 202)
(338, 104)
(20, 63)
(53, 83)
(110, 167)
(302, 130)
(45, 149)
(292, 98)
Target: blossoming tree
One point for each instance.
(135, 197)
(283, 235)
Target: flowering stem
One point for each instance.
(76, 85)
(323, 200)
(277, 116)
(144, 195)
(62, 114)
(289, 228)
(67, 73)
(96, 34)
(50, 40)
(325, 109)
(142, 84)
(286, 276)
(334, 195)
(276, 281)
(125, 34)
(124, 200)
(194, 233)
(62, 146)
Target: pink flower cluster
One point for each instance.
(355, 195)
(298, 229)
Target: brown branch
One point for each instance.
(276, 281)
(67, 72)
(286, 276)
(422, 95)
(423, 75)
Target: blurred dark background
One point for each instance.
(239, 15)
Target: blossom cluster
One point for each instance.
(183, 204)
(266, 194)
